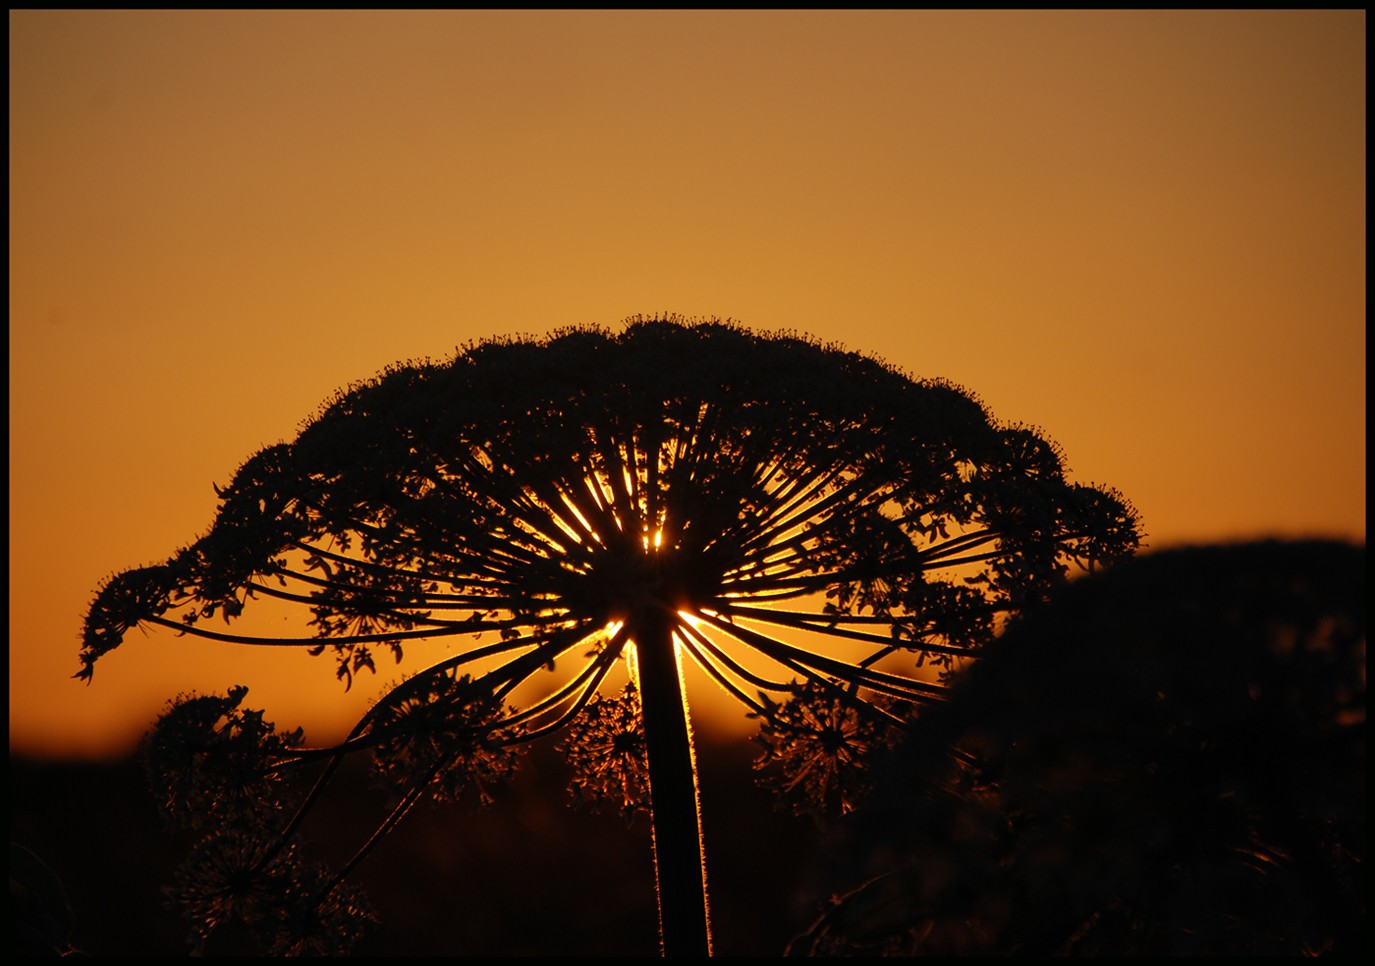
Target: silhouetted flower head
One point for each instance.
(209, 761)
(290, 906)
(231, 877)
(605, 747)
(443, 734)
(319, 916)
(819, 746)
(822, 535)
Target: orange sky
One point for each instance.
(1144, 232)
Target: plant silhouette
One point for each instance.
(1166, 759)
(807, 525)
(41, 918)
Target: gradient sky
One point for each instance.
(1142, 231)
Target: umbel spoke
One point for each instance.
(808, 525)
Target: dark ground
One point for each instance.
(527, 875)
(1171, 761)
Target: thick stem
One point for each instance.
(678, 859)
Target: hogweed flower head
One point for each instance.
(819, 746)
(211, 761)
(446, 733)
(605, 748)
(291, 906)
(823, 536)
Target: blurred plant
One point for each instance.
(807, 525)
(1166, 759)
(41, 919)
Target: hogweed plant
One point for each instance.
(823, 536)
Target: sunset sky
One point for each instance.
(1143, 232)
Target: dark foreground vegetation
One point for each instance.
(454, 879)
(1168, 758)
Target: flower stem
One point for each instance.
(678, 858)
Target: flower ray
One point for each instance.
(810, 663)
(826, 624)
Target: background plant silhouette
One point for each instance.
(1167, 759)
(807, 525)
